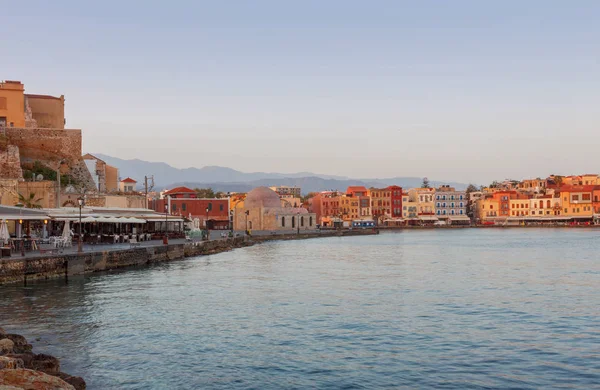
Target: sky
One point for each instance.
(469, 91)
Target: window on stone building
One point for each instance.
(183, 207)
(309, 221)
(302, 221)
(282, 221)
(174, 207)
(293, 222)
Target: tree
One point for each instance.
(308, 196)
(205, 192)
(558, 180)
(471, 188)
(29, 202)
(425, 183)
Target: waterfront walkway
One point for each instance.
(87, 248)
(215, 235)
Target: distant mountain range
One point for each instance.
(227, 179)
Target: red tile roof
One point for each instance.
(578, 188)
(356, 189)
(128, 180)
(179, 190)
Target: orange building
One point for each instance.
(12, 104)
(18, 109)
(596, 200)
(326, 206)
(357, 203)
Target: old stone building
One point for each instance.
(32, 129)
(262, 210)
(106, 177)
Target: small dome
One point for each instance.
(262, 197)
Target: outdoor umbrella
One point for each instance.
(4, 236)
(67, 230)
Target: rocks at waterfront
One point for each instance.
(32, 380)
(20, 368)
(6, 346)
(11, 362)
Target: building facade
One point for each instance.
(127, 185)
(326, 206)
(386, 203)
(262, 211)
(450, 203)
(106, 177)
(577, 201)
(211, 213)
(285, 191)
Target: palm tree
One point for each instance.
(30, 202)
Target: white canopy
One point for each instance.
(459, 218)
(428, 218)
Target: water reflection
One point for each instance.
(455, 309)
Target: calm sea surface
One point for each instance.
(454, 309)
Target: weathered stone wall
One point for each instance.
(46, 144)
(44, 190)
(46, 267)
(9, 195)
(51, 146)
(10, 163)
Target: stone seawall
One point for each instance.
(64, 265)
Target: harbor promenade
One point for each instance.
(105, 257)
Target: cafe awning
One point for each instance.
(428, 218)
(459, 218)
(11, 213)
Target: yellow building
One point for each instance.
(12, 104)
(519, 207)
(577, 201)
(349, 208)
(545, 206)
(424, 198)
(487, 209)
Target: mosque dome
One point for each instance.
(262, 197)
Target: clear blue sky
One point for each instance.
(453, 90)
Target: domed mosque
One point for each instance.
(263, 209)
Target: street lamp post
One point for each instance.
(230, 224)
(81, 202)
(166, 237)
(21, 235)
(247, 213)
(206, 224)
